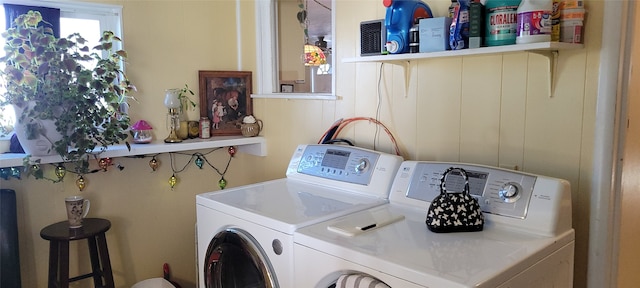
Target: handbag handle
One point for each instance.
(443, 188)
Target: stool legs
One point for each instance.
(95, 264)
(53, 263)
(59, 263)
(63, 263)
(106, 262)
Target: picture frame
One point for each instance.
(225, 98)
(286, 88)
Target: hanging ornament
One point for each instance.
(109, 161)
(153, 163)
(60, 172)
(81, 183)
(173, 180)
(15, 172)
(222, 183)
(199, 162)
(103, 164)
(232, 151)
(5, 173)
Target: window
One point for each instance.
(88, 19)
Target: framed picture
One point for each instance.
(286, 88)
(225, 98)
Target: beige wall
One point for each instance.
(492, 110)
(168, 42)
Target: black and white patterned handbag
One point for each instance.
(454, 211)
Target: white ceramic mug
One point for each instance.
(77, 209)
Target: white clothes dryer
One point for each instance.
(527, 240)
(245, 234)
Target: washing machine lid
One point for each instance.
(406, 249)
(285, 204)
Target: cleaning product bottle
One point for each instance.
(401, 15)
(501, 24)
(534, 21)
(459, 29)
(452, 8)
(555, 20)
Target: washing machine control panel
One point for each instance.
(499, 191)
(340, 163)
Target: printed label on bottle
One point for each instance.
(502, 22)
(534, 23)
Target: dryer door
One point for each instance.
(235, 259)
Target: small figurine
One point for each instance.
(142, 132)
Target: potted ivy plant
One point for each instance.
(45, 80)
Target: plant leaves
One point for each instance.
(302, 16)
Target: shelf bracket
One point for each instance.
(552, 60)
(406, 72)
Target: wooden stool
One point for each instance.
(59, 235)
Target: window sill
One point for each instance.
(296, 96)
(250, 145)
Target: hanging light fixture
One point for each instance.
(312, 54)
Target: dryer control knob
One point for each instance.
(362, 165)
(509, 192)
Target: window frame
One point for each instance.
(109, 16)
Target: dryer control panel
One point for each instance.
(498, 191)
(339, 163)
(355, 169)
(526, 201)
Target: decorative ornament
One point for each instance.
(173, 180)
(141, 132)
(153, 163)
(60, 172)
(15, 172)
(199, 162)
(232, 151)
(103, 164)
(81, 183)
(5, 173)
(222, 183)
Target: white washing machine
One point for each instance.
(527, 239)
(245, 234)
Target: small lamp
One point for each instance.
(172, 102)
(313, 57)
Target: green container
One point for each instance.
(501, 24)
